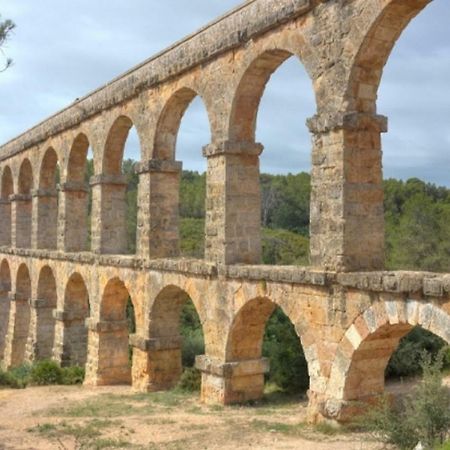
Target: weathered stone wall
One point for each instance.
(68, 300)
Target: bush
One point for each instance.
(8, 380)
(406, 360)
(423, 416)
(46, 372)
(72, 375)
(288, 366)
(190, 380)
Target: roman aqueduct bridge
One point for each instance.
(65, 299)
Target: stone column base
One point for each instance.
(156, 363)
(231, 382)
(107, 362)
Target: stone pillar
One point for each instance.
(157, 363)
(108, 353)
(21, 211)
(347, 214)
(231, 382)
(71, 338)
(4, 317)
(5, 223)
(73, 217)
(158, 210)
(233, 203)
(42, 331)
(17, 336)
(45, 214)
(109, 214)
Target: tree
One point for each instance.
(6, 27)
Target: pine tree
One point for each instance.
(6, 27)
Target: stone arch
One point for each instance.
(110, 206)
(20, 314)
(23, 216)
(76, 165)
(44, 306)
(165, 335)
(385, 24)
(112, 333)
(74, 198)
(248, 94)
(115, 145)
(5, 288)
(7, 189)
(46, 202)
(244, 347)
(169, 123)
(357, 373)
(71, 336)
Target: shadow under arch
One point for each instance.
(7, 189)
(5, 304)
(113, 335)
(44, 306)
(24, 205)
(47, 201)
(166, 335)
(245, 346)
(358, 370)
(71, 336)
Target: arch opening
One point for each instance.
(176, 328)
(115, 355)
(183, 128)
(44, 306)
(413, 93)
(116, 197)
(273, 91)
(261, 329)
(71, 338)
(77, 197)
(5, 305)
(7, 189)
(19, 324)
(23, 205)
(47, 202)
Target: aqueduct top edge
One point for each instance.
(229, 31)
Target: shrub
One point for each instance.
(72, 375)
(190, 380)
(422, 416)
(16, 378)
(45, 373)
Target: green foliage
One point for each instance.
(192, 194)
(423, 416)
(190, 380)
(41, 373)
(288, 367)
(46, 372)
(6, 28)
(72, 375)
(192, 333)
(284, 247)
(192, 237)
(407, 359)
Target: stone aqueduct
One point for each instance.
(63, 300)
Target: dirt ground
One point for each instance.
(68, 417)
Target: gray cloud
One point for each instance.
(62, 50)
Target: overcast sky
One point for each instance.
(64, 49)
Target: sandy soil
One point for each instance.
(113, 417)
